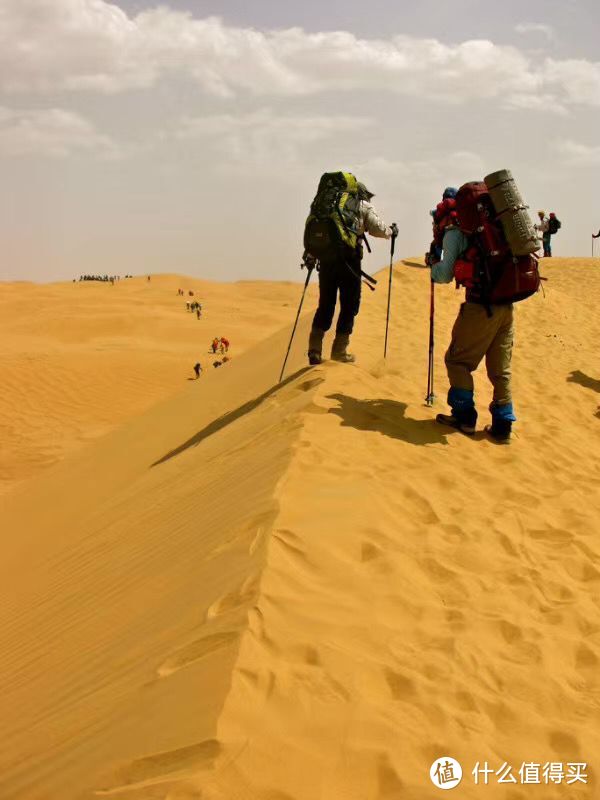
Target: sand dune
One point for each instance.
(78, 359)
(310, 592)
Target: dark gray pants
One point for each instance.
(337, 276)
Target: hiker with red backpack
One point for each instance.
(340, 215)
(444, 215)
(488, 247)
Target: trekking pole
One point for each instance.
(309, 273)
(387, 316)
(430, 395)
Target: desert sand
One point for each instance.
(244, 591)
(78, 359)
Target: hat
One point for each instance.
(363, 192)
(449, 191)
(542, 213)
(552, 214)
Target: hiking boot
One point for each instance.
(338, 350)
(454, 422)
(500, 430)
(315, 347)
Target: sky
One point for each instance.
(189, 136)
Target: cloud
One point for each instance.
(536, 102)
(49, 45)
(536, 27)
(575, 80)
(578, 154)
(465, 165)
(52, 132)
(264, 137)
(90, 45)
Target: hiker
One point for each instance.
(198, 312)
(215, 345)
(187, 305)
(224, 344)
(197, 369)
(493, 279)
(543, 226)
(443, 214)
(333, 244)
(554, 225)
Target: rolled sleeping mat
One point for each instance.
(512, 213)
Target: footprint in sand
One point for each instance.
(401, 687)
(195, 651)
(466, 701)
(422, 506)
(236, 600)
(510, 633)
(564, 745)
(185, 793)
(456, 619)
(376, 558)
(389, 782)
(250, 536)
(553, 537)
(369, 551)
(165, 766)
(586, 660)
(289, 543)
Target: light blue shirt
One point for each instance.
(454, 245)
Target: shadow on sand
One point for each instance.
(585, 380)
(230, 417)
(415, 264)
(387, 417)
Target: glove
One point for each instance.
(394, 230)
(308, 261)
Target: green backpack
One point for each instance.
(333, 222)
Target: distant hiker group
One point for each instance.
(220, 345)
(195, 308)
(102, 278)
(483, 239)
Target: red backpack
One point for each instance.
(444, 216)
(488, 269)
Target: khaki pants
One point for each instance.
(476, 335)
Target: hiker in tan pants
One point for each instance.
(479, 331)
(475, 335)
